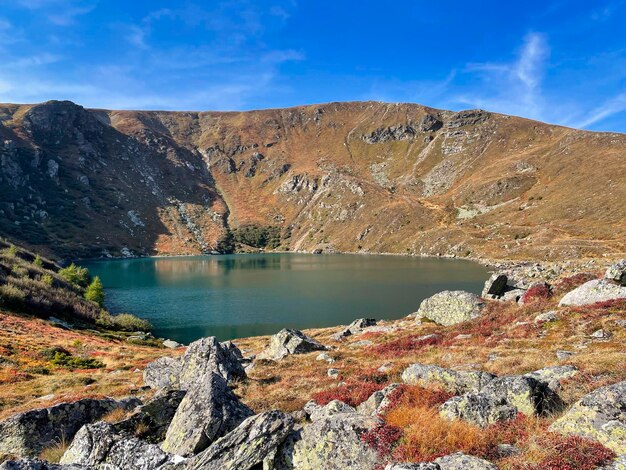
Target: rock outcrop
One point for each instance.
(452, 380)
(598, 290)
(377, 402)
(163, 373)
(209, 411)
(617, 272)
(252, 443)
(354, 328)
(27, 434)
(451, 307)
(530, 396)
(37, 464)
(289, 341)
(480, 409)
(552, 376)
(600, 415)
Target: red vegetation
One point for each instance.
(382, 438)
(356, 389)
(405, 345)
(567, 284)
(536, 292)
(415, 396)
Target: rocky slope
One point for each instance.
(362, 176)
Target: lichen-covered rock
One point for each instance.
(598, 290)
(454, 381)
(162, 373)
(289, 341)
(600, 415)
(27, 434)
(254, 441)
(315, 411)
(478, 408)
(208, 412)
(617, 272)
(99, 446)
(206, 356)
(451, 307)
(495, 286)
(618, 463)
(36, 464)
(153, 418)
(546, 317)
(530, 396)
(552, 376)
(354, 328)
(377, 401)
(460, 461)
(412, 466)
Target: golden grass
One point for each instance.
(54, 453)
(115, 416)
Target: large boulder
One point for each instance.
(451, 307)
(530, 396)
(460, 461)
(150, 421)
(552, 376)
(495, 286)
(36, 464)
(600, 415)
(163, 373)
(377, 401)
(331, 440)
(478, 408)
(207, 412)
(617, 272)
(98, 445)
(254, 441)
(598, 290)
(454, 381)
(289, 341)
(27, 434)
(201, 359)
(354, 328)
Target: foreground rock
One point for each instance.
(207, 412)
(600, 415)
(552, 376)
(28, 433)
(98, 445)
(451, 307)
(460, 461)
(354, 328)
(36, 464)
(617, 272)
(289, 341)
(255, 440)
(479, 409)
(530, 396)
(201, 359)
(377, 401)
(598, 290)
(454, 381)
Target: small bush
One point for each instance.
(536, 292)
(75, 275)
(54, 453)
(19, 271)
(123, 322)
(114, 416)
(95, 292)
(12, 297)
(63, 358)
(38, 261)
(47, 279)
(382, 438)
(11, 251)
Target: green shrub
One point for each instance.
(11, 251)
(76, 275)
(12, 296)
(47, 279)
(123, 322)
(38, 261)
(95, 292)
(19, 271)
(63, 358)
(258, 236)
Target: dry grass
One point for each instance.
(54, 453)
(115, 416)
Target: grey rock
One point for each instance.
(460, 461)
(324, 357)
(254, 441)
(232, 347)
(513, 295)
(617, 272)
(36, 464)
(598, 290)
(429, 123)
(333, 373)
(168, 343)
(479, 409)
(412, 466)
(163, 373)
(552, 376)
(546, 317)
(601, 334)
(530, 396)
(206, 356)
(208, 411)
(354, 328)
(452, 380)
(618, 463)
(288, 341)
(377, 401)
(495, 286)
(451, 307)
(507, 450)
(562, 355)
(600, 415)
(99, 446)
(316, 412)
(27, 434)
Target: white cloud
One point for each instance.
(609, 108)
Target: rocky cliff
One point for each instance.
(362, 176)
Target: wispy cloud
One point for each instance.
(609, 108)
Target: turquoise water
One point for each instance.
(234, 296)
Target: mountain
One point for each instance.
(359, 176)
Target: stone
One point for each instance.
(99, 446)
(546, 317)
(354, 328)
(206, 356)
(289, 341)
(153, 418)
(495, 286)
(254, 441)
(36, 464)
(601, 334)
(324, 357)
(27, 434)
(513, 295)
(163, 373)
(315, 411)
(208, 412)
(507, 450)
(386, 367)
(171, 344)
(479, 409)
(562, 355)
(617, 272)
(619, 463)
(552, 376)
(333, 373)
(451, 307)
(377, 401)
(530, 396)
(232, 347)
(598, 290)
(456, 382)
(460, 461)
(600, 415)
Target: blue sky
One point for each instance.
(557, 61)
